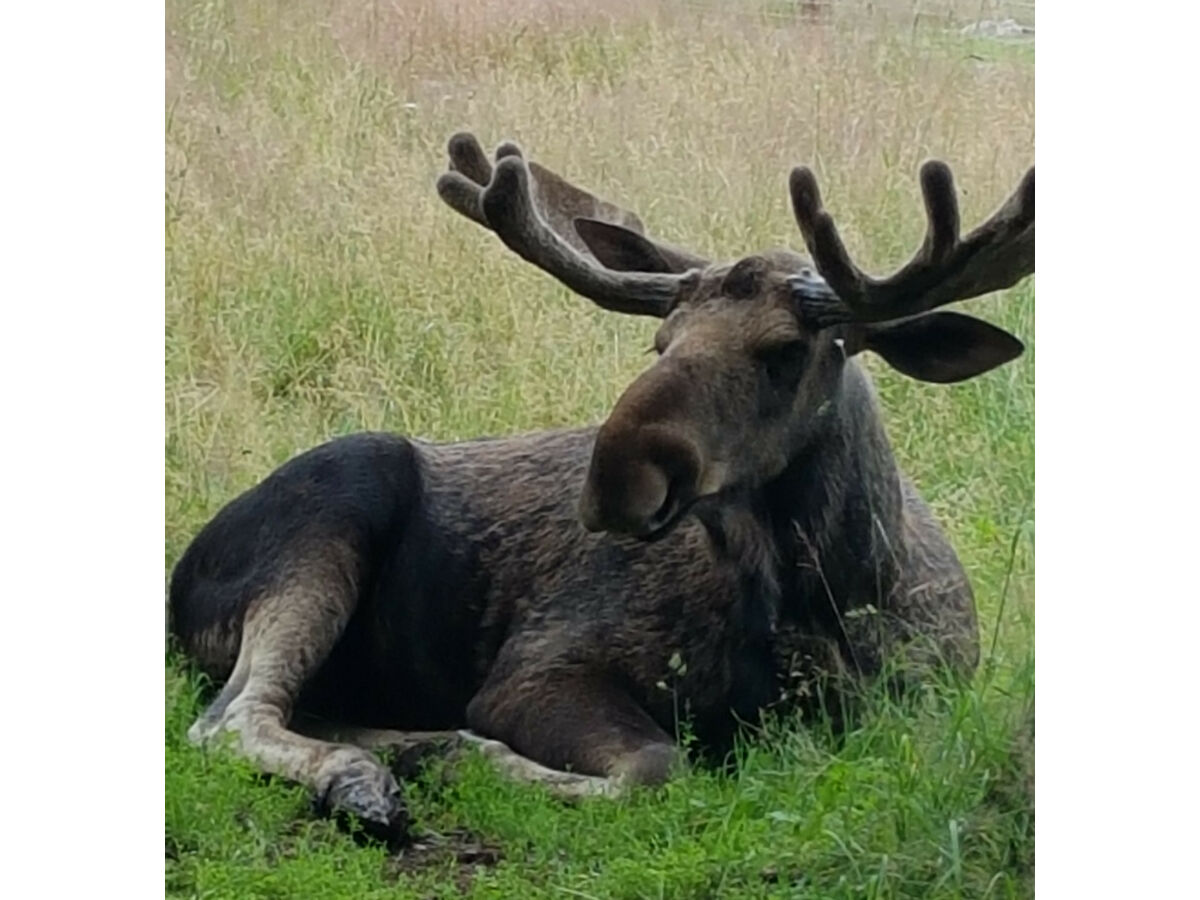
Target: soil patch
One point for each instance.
(468, 852)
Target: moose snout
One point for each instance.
(640, 480)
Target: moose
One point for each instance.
(720, 530)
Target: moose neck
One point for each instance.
(830, 522)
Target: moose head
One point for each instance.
(750, 353)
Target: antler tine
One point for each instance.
(509, 209)
(467, 156)
(822, 238)
(996, 255)
(470, 171)
(941, 211)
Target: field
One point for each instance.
(317, 286)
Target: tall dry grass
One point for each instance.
(317, 284)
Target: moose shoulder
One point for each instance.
(712, 535)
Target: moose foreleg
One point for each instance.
(575, 722)
(407, 750)
(568, 785)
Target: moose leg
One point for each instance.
(567, 785)
(286, 636)
(406, 750)
(576, 721)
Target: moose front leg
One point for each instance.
(565, 785)
(407, 750)
(574, 721)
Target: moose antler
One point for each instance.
(558, 201)
(535, 212)
(996, 255)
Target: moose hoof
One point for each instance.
(368, 795)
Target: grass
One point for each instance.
(317, 286)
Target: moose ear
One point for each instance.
(942, 347)
(624, 250)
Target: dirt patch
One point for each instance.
(468, 852)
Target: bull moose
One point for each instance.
(720, 529)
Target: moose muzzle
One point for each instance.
(646, 464)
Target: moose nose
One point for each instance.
(638, 483)
(630, 507)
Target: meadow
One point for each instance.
(317, 286)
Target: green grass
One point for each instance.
(316, 286)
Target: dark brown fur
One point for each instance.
(746, 529)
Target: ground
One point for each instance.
(317, 286)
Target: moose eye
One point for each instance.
(783, 363)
